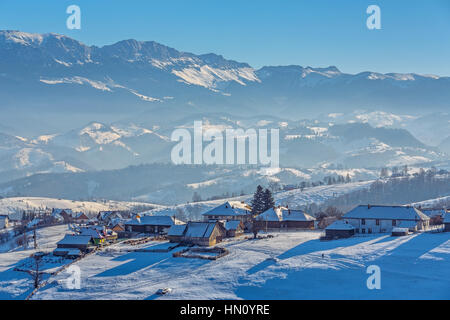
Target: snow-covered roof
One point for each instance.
(91, 232)
(200, 229)
(75, 239)
(447, 217)
(77, 215)
(59, 211)
(433, 212)
(33, 222)
(386, 212)
(232, 225)
(230, 208)
(284, 214)
(340, 225)
(154, 221)
(296, 215)
(400, 230)
(273, 214)
(68, 251)
(177, 230)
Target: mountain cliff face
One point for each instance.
(59, 75)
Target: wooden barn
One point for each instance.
(65, 214)
(82, 243)
(176, 233)
(204, 233)
(151, 224)
(284, 218)
(339, 229)
(234, 228)
(80, 217)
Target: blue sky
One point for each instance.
(415, 35)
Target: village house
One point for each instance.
(107, 217)
(382, 219)
(339, 229)
(98, 236)
(151, 224)
(65, 214)
(230, 210)
(176, 233)
(80, 218)
(204, 233)
(4, 221)
(234, 228)
(81, 242)
(284, 218)
(118, 227)
(198, 233)
(447, 222)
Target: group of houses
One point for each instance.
(368, 219)
(232, 219)
(84, 240)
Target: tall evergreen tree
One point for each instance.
(268, 200)
(258, 201)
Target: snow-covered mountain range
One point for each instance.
(69, 82)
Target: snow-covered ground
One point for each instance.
(289, 266)
(19, 204)
(15, 284)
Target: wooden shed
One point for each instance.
(204, 233)
(83, 243)
(339, 229)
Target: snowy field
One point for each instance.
(289, 266)
(17, 285)
(13, 205)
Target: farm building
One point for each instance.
(118, 227)
(80, 242)
(339, 229)
(97, 235)
(65, 214)
(230, 210)
(80, 217)
(234, 228)
(398, 232)
(382, 219)
(4, 221)
(447, 222)
(198, 233)
(284, 218)
(204, 233)
(176, 232)
(67, 252)
(433, 212)
(109, 216)
(151, 224)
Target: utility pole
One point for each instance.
(34, 236)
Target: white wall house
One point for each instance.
(4, 222)
(382, 219)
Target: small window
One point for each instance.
(363, 230)
(378, 222)
(363, 221)
(394, 223)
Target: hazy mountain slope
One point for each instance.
(63, 77)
